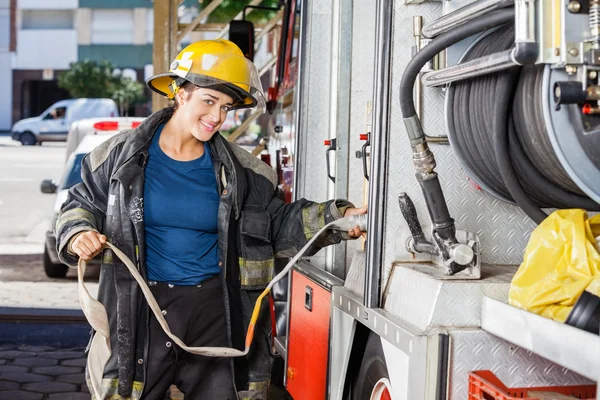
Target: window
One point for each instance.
(112, 26)
(47, 19)
(73, 176)
(57, 113)
(150, 26)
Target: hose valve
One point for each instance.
(457, 255)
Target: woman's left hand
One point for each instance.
(355, 232)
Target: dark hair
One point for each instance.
(188, 86)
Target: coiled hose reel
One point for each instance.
(497, 128)
(505, 151)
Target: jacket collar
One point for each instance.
(140, 139)
(236, 177)
(142, 135)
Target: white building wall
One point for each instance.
(46, 49)
(139, 25)
(112, 26)
(83, 25)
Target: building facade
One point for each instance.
(49, 35)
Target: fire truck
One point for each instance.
(462, 124)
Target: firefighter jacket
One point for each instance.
(254, 227)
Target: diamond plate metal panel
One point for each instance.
(472, 350)
(503, 228)
(321, 7)
(355, 278)
(443, 303)
(317, 108)
(361, 92)
(363, 56)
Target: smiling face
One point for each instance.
(202, 110)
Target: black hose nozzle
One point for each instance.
(419, 244)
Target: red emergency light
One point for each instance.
(114, 125)
(106, 126)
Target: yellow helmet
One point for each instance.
(217, 64)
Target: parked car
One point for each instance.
(87, 135)
(54, 123)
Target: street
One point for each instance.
(24, 209)
(25, 214)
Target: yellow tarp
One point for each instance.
(561, 261)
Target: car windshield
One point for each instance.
(73, 172)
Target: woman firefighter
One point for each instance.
(200, 218)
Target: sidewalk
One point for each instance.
(42, 373)
(45, 373)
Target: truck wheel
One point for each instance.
(373, 374)
(54, 270)
(28, 139)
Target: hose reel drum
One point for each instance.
(553, 112)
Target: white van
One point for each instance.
(54, 123)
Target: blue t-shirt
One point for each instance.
(180, 212)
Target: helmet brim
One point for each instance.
(160, 83)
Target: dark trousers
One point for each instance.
(196, 314)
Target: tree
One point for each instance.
(88, 79)
(127, 92)
(98, 79)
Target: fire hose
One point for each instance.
(498, 131)
(95, 312)
(502, 149)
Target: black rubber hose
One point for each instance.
(476, 112)
(561, 198)
(507, 82)
(483, 23)
(531, 129)
(473, 104)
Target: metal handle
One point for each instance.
(308, 298)
(364, 156)
(332, 147)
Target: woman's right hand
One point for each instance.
(88, 245)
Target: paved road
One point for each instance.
(24, 210)
(25, 214)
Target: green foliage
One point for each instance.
(88, 79)
(97, 79)
(127, 93)
(228, 9)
